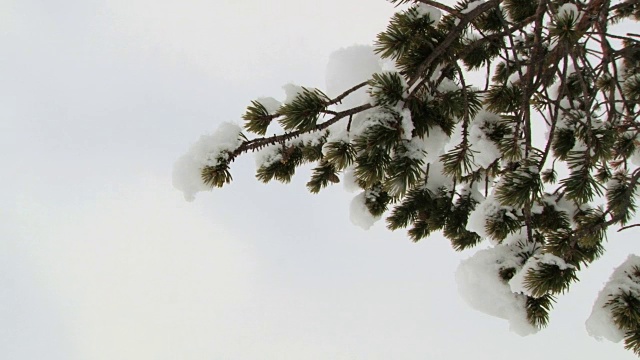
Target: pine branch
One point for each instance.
(258, 143)
(543, 61)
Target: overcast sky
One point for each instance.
(100, 258)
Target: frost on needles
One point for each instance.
(513, 122)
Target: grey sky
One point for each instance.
(101, 258)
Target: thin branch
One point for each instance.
(347, 93)
(628, 227)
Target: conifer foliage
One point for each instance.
(539, 103)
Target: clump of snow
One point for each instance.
(579, 145)
(336, 135)
(472, 5)
(349, 180)
(271, 154)
(204, 152)
(268, 155)
(433, 144)
(406, 124)
(600, 324)
(415, 149)
(614, 183)
(536, 208)
(635, 157)
(472, 191)
(448, 85)
(348, 67)
(291, 91)
(560, 204)
(565, 121)
(359, 213)
(519, 238)
(514, 79)
(485, 151)
(480, 285)
(569, 11)
(488, 209)
(359, 124)
(310, 138)
(375, 116)
(471, 37)
(517, 282)
(437, 179)
(429, 11)
(272, 105)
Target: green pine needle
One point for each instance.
(625, 310)
(371, 166)
(304, 111)
(218, 175)
(341, 154)
(257, 118)
(387, 88)
(632, 341)
(538, 310)
(549, 279)
(284, 169)
(520, 9)
(323, 175)
(519, 187)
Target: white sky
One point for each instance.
(101, 258)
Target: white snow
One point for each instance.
(485, 151)
(359, 213)
(600, 324)
(376, 116)
(484, 211)
(268, 155)
(472, 5)
(635, 157)
(448, 85)
(272, 105)
(336, 135)
(437, 179)
(514, 79)
(359, 123)
(613, 184)
(433, 144)
(204, 152)
(406, 124)
(291, 91)
(569, 11)
(480, 285)
(471, 37)
(271, 154)
(348, 67)
(560, 204)
(349, 180)
(427, 10)
(415, 148)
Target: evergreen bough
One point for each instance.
(568, 67)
